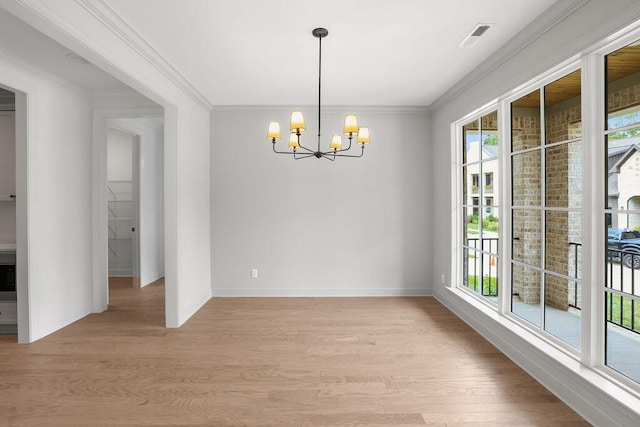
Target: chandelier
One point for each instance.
(297, 126)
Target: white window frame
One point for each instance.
(598, 109)
(457, 129)
(537, 84)
(593, 322)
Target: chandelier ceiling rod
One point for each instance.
(319, 33)
(297, 125)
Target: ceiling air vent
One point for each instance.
(475, 35)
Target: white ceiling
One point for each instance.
(23, 40)
(378, 52)
(261, 52)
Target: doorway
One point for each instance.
(129, 200)
(15, 233)
(123, 205)
(8, 232)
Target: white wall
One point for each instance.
(151, 221)
(119, 156)
(315, 227)
(92, 30)
(59, 197)
(584, 391)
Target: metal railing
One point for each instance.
(489, 248)
(622, 297)
(575, 248)
(622, 300)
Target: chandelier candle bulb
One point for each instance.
(293, 141)
(274, 131)
(336, 142)
(297, 122)
(350, 124)
(363, 135)
(297, 126)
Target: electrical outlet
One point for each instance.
(254, 273)
(442, 279)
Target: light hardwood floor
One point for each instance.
(270, 362)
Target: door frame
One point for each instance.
(23, 129)
(135, 197)
(103, 119)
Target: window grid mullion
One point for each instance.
(543, 216)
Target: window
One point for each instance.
(622, 210)
(488, 180)
(546, 178)
(489, 205)
(540, 247)
(476, 202)
(480, 241)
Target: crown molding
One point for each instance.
(42, 16)
(332, 109)
(541, 25)
(119, 27)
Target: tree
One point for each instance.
(490, 140)
(625, 120)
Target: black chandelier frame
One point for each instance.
(320, 33)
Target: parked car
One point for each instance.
(624, 245)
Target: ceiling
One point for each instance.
(24, 41)
(378, 52)
(261, 52)
(620, 64)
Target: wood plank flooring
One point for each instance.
(270, 362)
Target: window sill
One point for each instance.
(595, 397)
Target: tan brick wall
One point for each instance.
(622, 98)
(563, 187)
(526, 189)
(559, 125)
(489, 122)
(562, 180)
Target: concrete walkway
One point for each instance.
(623, 346)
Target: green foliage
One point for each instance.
(625, 120)
(490, 223)
(613, 311)
(637, 228)
(489, 285)
(491, 139)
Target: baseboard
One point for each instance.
(188, 310)
(599, 401)
(337, 292)
(152, 282)
(53, 324)
(8, 329)
(120, 273)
